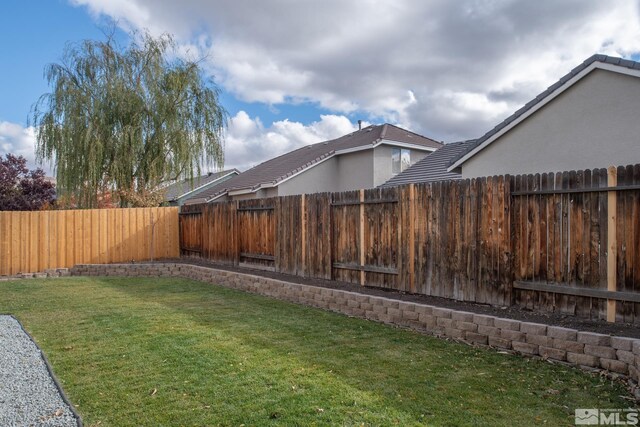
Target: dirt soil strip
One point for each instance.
(512, 312)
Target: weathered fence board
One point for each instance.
(467, 240)
(289, 231)
(255, 232)
(561, 238)
(318, 237)
(35, 241)
(345, 237)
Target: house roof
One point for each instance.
(433, 167)
(594, 62)
(211, 193)
(186, 186)
(276, 170)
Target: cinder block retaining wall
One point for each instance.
(585, 349)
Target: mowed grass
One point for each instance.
(147, 351)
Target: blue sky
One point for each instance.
(33, 34)
(295, 73)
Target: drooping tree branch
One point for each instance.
(127, 119)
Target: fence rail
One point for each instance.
(35, 241)
(469, 240)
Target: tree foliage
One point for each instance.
(22, 189)
(125, 121)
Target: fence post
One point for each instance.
(236, 233)
(303, 233)
(153, 240)
(612, 181)
(362, 254)
(412, 238)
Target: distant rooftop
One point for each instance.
(180, 188)
(279, 168)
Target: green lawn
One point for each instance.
(179, 352)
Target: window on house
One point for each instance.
(400, 159)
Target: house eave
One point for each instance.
(215, 181)
(568, 84)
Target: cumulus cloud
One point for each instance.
(447, 69)
(21, 141)
(249, 141)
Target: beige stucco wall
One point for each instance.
(382, 170)
(382, 164)
(350, 171)
(320, 178)
(595, 123)
(355, 170)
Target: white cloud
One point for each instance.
(447, 69)
(249, 142)
(21, 141)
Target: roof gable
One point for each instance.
(602, 62)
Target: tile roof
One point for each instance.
(432, 167)
(180, 188)
(626, 63)
(279, 168)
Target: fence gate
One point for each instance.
(256, 233)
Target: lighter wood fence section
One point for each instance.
(35, 241)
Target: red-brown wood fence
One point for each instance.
(539, 241)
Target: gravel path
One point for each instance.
(29, 395)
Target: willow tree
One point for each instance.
(123, 121)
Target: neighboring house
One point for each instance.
(362, 159)
(588, 119)
(433, 167)
(178, 192)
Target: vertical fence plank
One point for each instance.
(17, 242)
(303, 234)
(625, 258)
(94, 232)
(362, 245)
(5, 253)
(595, 241)
(612, 245)
(635, 238)
(412, 238)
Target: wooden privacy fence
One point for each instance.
(577, 242)
(539, 241)
(444, 239)
(36, 241)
